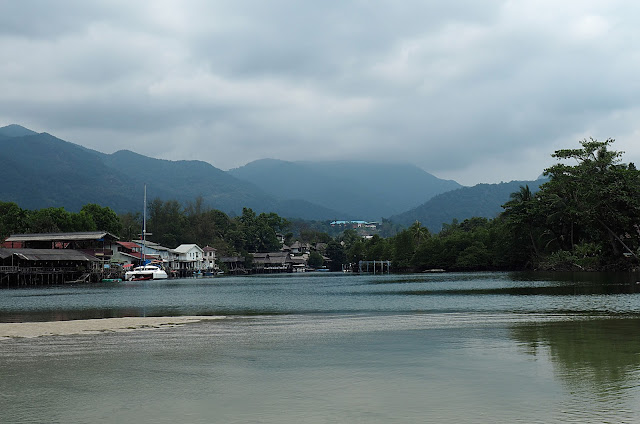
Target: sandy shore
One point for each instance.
(92, 326)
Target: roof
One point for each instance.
(184, 248)
(48, 255)
(271, 258)
(129, 244)
(209, 249)
(138, 255)
(149, 245)
(86, 235)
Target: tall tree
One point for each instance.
(599, 193)
(13, 220)
(104, 218)
(523, 217)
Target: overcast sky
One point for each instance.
(475, 91)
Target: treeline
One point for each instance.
(92, 217)
(169, 223)
(586, 217)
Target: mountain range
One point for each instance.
(482, 200)
(365, 190)
(41, 170)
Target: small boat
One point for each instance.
(111, 280)
(146, 272)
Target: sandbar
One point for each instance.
(11, 330)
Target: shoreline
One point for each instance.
(14, 330)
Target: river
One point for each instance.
(331, 348)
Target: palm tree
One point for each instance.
(520, 211)
(419, 233)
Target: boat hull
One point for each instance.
(146, 273)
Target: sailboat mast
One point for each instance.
(144, 226)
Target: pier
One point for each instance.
(385, 267)
(26, 267)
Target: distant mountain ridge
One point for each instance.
(14, 130)
(369, 191)
(481, 200)
(41, 171)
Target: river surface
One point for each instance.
(332, 348)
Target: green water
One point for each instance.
(452, 348)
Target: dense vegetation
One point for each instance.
(585, 217)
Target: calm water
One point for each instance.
(327, 348)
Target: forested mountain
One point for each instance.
(41, 171)
(482, 200)
(367, 191)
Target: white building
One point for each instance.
(209, 258)
(188, 256)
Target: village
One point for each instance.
(94, 256)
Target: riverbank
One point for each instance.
(93, 326)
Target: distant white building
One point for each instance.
(209, 258)
(188, 256)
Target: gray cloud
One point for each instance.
(473, 91)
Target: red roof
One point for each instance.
(129, 244)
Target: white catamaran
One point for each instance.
(145, 271)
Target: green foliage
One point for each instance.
(586, 216)
(130, 226)
(260, 231)
(314, 236)
(315, 259)
(336, 253)
(13, 220)
(104, 218)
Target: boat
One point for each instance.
(146, 272)
(111, 280)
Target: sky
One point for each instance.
(474, 91)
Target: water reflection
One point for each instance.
(593, 355)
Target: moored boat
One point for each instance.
(146, 272)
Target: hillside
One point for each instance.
(482, 200)
(367, 191)
(41, 171)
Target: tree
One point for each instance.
(130, 225)
(335, 252)
(419, 233)
(13, 220)
(104, 218)
(523, 216)
(315, 259)
(592, 205)
(404, 247)
(260, 231)
(54, 220)
(167, 222)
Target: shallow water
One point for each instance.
(447, 348)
